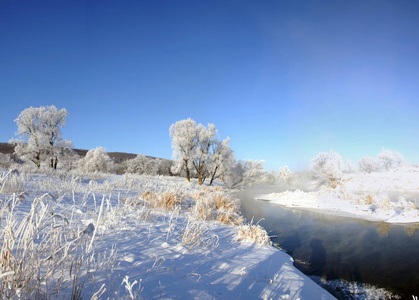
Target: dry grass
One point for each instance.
(347, 196)
(149, 196)
(253, 233)
(369, 199)
(132, 202)
(228, 209)
(209, 204)
(217, 206)
(410, 206)
(192, 235)
(224, 201)
(166, 200)
(39, 260)
(384, 204)
(211, 189)
(201, 211)
(12, 182)
(198, 195)
(229, 218)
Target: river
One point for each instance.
(333, 247)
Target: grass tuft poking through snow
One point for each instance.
(40, 258)
(253, 233)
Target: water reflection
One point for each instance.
(382, 254)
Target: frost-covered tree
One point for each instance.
(246, 173)
(390, 159)
(5, 160)
(142, 164)
(184, 140)
(41, 128)
(285, 173)
(327, 167)
(234, 177)
(204, 143)
(349, 167)
(30, 151)
(54, 120)
(96, 160)
(195, 150)
(221, 161)
(65, 155)
(369, 164)
(164, 166)
(254, 173)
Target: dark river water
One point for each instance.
(381, 254)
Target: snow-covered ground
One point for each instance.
(71, 236)
(389, 196)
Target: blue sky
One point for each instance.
(284, 79)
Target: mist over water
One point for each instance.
(336, 247)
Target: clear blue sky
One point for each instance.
(283, 79)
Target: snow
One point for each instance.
(388, 196)
(227, 270)
(139, 252)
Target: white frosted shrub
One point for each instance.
(327, 167)
(369, 164)
(5, 161)
(247, 173)
(12, 181)
(142, 164)
(390, 159)
(96, 160)
(285, 173)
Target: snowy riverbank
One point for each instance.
(379, 196)
(134, 237)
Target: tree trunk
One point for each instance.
(200, 181)
(188, 175)
(38, 160)
(213, 176)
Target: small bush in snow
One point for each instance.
(5, 161)
(253, 233)
(327, 167)
(390, 159)
(12, 182)
(369, 199)
(410, 206)
(166, 200)
(217, 206)
(96, 160)
(192, 234)
(224, 201)
(369, 165)
(149, 196)
(384, 204)
(142, 164)
(285, 173)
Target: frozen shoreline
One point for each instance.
(332, 203)
(364, 196)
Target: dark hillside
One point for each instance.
(6, 148)
(118, 157)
